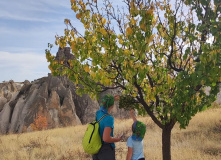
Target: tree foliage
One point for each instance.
(162, 56)
(162, 53)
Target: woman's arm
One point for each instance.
(129, 153)
(107, 138)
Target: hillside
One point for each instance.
(200, 141)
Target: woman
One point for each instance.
(106, 129)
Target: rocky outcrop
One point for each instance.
(52, 97)
(7, 91)
(64, 54)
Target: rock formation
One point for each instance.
(52, 97)
(49, 96)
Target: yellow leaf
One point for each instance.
(80, 39)
(73, 1)
(81, 3)
(125, 63)
(150, 11)
(93, 39)
(50, 68)
(73, 46)
(72, 33)
(131, 63)
(150, 39)
(126, 51)
(78, 16)
(133, 21)
(154, 21)
(70, 63)
(93, 74)
(143, 27)
(121, 41)
(86, 26)
(161, 7)
(66, 21)
(134, 95)
(169, 80)
(103, 20)
(132, 5)
(103, 31)
(61, 62)
(127, 76)
(99, 16)
(202, 82)
(129, 31)
(86, 68)
(74, 7)
(107, 81)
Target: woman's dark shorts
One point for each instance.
(107, 152)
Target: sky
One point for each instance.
(26, 28)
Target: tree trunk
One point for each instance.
(166, 135)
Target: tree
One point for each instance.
(161, 54)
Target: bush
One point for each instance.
(40, 123)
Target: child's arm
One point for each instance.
(132, 114)
(116, 98)
(129, 153)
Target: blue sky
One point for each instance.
(26, 28)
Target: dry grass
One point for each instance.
(200, 141)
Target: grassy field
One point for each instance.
(200, 141)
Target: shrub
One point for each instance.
(40, 123)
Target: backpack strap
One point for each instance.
(102, 118)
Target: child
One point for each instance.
(135, 142)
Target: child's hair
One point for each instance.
(139, 130)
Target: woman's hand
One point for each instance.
(118, 139)
(107, 138)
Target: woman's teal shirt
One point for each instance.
(107, 121)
